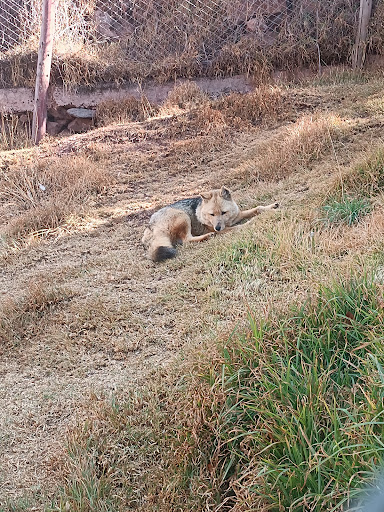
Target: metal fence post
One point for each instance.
(43, 71)
(358, 52)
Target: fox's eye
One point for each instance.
(212, 214)
(223, 213)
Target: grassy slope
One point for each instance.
(149, 445)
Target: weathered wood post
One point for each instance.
(43, 71)
(358, 53)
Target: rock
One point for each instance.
(80, 125)
(58, 112)
(82, 113)
(55, 127)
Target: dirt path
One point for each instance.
(119, 316)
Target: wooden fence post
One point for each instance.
(43, 71)
(358, 53)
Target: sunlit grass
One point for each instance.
(301, 420)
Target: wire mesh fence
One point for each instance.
(206, 32)
(19, 20)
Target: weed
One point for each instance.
(264, 103)
(107, 464)
(186, 95)
(299, 146)
(308, 139)
(14, 134)
(339, 77)
(348, 210)
(22, 505)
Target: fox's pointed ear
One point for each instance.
(225, 193)
(206, 195)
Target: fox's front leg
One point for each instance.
(200, 238)
(248, 214)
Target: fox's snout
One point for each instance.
(218, 227)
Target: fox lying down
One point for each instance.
(194, 220)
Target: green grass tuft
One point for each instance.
(301, 424)
(347, 210)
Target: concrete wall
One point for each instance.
(21, 99)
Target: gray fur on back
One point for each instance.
(189, 206)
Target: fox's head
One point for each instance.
(218, 209)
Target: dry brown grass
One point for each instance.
(40, 196)
(139, 439)
(14, 134)
(127, 110)
(296, 148)
(22, 318)
(261, 105)
(305, 143)
(213, 42)
(186, 95)
(363, 179)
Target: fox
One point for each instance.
(194, 220)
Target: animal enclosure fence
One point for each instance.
(203, 31)
(164, 39)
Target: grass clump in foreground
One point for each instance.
(296, 417)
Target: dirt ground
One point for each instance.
(117, 316)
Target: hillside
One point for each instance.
(95, 338)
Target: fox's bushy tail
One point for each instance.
(161, 247)
(162, 253)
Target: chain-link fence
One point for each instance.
(191, 36)
(155, 29)
(19, 20)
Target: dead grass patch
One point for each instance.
(186, 95)
(22, 318)
(298, 147)
(118, 327)
(365, 179)
(14, 134)
(306, 142)
(364, 239)
(264, 104)
(41, 195)
(127, 110)
(112, 458)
